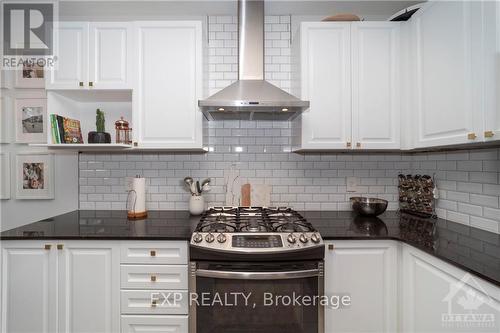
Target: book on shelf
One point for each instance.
(65, 130)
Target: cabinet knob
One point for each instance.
(152, 253)
(153, 278)
(59, 246)
(47, 247)
(330, 247)
(135, 144)
(80, 84)
(348, 144)
(358, 144)
(153, 303)
(471, 136)
(489, 134)
(91, 84)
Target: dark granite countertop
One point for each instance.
(474, 250)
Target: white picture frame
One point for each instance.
(4, 120)
(30, 77)
(4, 176)
(34, 176)
(31, 120)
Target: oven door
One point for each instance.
(256, 297)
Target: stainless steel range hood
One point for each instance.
(251, 97)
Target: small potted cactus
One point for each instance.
(99, 136)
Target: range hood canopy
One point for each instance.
(251, 97)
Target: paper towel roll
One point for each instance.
(136, 200)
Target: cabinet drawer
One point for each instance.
(167, 252)
(154, 277)
(154, 302)
(138, 324)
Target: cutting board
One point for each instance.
(260, 195)
(245, 195)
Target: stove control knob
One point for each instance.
(221, 238)
(197, 238)
(209, 238)
(291, 239)
(303, 238)
(315, 238)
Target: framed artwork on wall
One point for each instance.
(34, 176)
(31, 76)
(4, 176)
(4, 120)
(31, 120)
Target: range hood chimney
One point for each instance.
(251, 97)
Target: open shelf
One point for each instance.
(84, 146)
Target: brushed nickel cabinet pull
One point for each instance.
(135, 144)
(152, 253)
(348, 144)
(471, 136)
(330, 247)
(489, 134)
(153, 304)
(358, 145)
(47, 246)
(91, 84)
(80, 84)
(153, 278)
(60, 246)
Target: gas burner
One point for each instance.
(292, 226)
(253, 226)
(217, 227)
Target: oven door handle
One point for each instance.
(257, 275)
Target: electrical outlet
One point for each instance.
(352, 184)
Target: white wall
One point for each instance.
(15, 212)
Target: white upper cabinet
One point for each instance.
(325, 62)
(349, 73)
(490, 30)
(166, 113)
(71, 50)
(92, 56)
(444, 108)
(376, 104)
(111, 55)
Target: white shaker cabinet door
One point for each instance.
(326, 83)
(436, 297)
(376, 105)
(169, 84)
(71, 52)
(110, 52)
(154, 324)
(445, 113)
(367, 272)
(89, 287)
(29, 285)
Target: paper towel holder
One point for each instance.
(131, 212)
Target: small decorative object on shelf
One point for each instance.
(123, 131)
(99, 136)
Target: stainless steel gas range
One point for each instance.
(251, 270)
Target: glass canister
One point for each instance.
(123, 131)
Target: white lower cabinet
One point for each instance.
(88, 296)
(435, 296)
(367, 272)
(29, 286)
(171, 324)
(74, 287)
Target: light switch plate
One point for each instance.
(352, 184)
